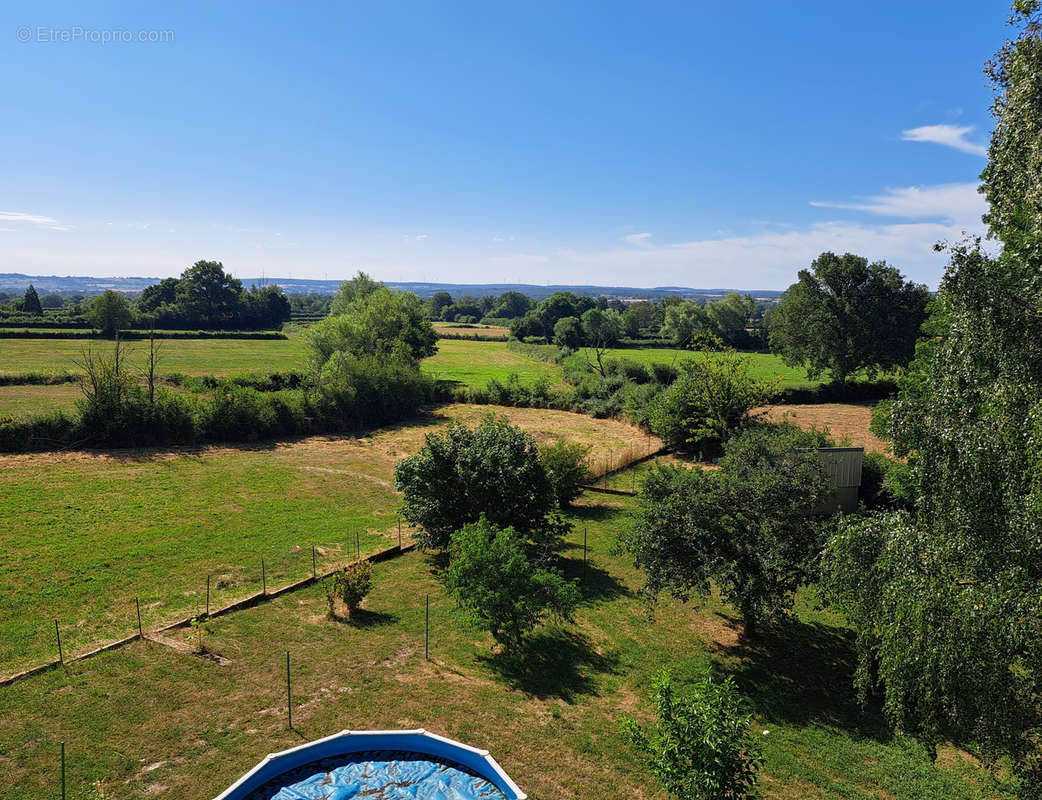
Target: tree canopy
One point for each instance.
(844, 315)
(110, 312)
(946, 601)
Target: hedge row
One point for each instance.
(9, 333)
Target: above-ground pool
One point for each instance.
(377, 765)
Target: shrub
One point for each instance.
(568, 467)
(493, 469)
(350, 586)
(701, 747)
(709, 401)
(490, 574)
(886, 483)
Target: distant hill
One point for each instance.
(17, 282)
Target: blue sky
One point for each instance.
(700, 144)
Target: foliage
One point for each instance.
(683, 321)
(946, 603)
(205, 296)
(701, 747)
(750, 527)
(711, 398)
(350, 292)
(886, 483)
(493, 469)
(490, 574)
(350, 585)
(379, 323)
(110, 313)
(568, 332)
(845, 315)
(567, 465)
(31, 302)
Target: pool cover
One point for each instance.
(379, 775)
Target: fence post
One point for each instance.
(399, 533)
(140, 632)
(289, 694)
(207, 595)
(314, 562)
(264, 578)
(58, 635)
(63, 770)
(427, 631)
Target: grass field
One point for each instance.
(764, 366)
(87, 533)
(450, 328)
(150, 721)
(475, 363)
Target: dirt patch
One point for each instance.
(847, 423)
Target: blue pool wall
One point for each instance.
(347, 742)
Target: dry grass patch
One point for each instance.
(846, 422)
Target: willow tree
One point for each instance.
(947, 602)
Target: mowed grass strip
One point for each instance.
(473, 363)
(148, 721)
(87, 533)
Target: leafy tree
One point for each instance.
(946, 602)
(52, 300)
(358, 288)
(208, 294)
(559, 305)
(350, 586)
(31, 302)
(110, 313)
(702, 747)
(158, 294)
(730, 317)
(265, 307)
(601, 328)
(439, 302)
(748, 527)
(530, 325)
(493, 469)
(683, 321)
(378, 323)
(511, 305)
(845, 315)
(490, 574)
(712, 397)
(568, 467)
(568, 332)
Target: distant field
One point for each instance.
(85, 533)
(765, 366)
(492, 331)
(475, 363)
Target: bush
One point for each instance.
(567, 465)
(493, 469)
(350, 586)
(709, 401)
(749, 528)
(490, 574)
(886, 483)
(701, 747)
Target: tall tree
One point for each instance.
(110, 313)
(208, 294)
(844, 314)
(359, 287)
(31, 302)
(946, 602)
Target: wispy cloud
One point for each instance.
(957, 203)
(421, 236)
(947, 135)
(18, 216)
(638, 239)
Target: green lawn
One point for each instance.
(148, 720)
(764, 366)
(474, 363)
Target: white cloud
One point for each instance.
(18, 216)
(956, 203)
(638, 239)
(421, 237)
(947, 135)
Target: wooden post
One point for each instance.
(264, 578)
(140, 632)
(58, 635)
(314, 562)
(63, 770)
(427, 631)
(289, 694)
(207, 595)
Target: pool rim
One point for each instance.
(473, 758)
